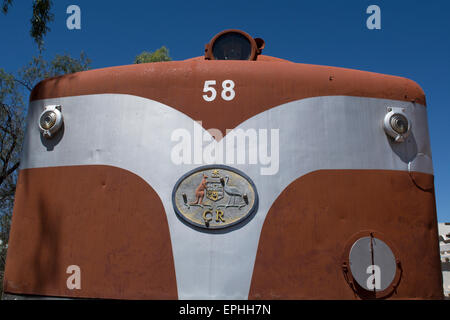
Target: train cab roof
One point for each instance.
(232, 53)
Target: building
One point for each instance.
(444, 243)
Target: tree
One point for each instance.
(38, 69)
(11, 135)
(162, 54)
(40, 19)
(13, 90)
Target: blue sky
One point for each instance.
(414, 42)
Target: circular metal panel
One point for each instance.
(367, 252)
(214, 197)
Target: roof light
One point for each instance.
(234, 45)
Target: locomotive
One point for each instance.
(233, 175)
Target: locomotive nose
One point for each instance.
(234, 45)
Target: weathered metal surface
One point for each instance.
(267, 85)
(106, 220)
(25, 297)
(123, 117)
(299, 250)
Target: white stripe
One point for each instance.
(133, 133)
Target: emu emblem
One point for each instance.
(214, 197)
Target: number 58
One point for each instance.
(228, 93)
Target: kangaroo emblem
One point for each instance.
(200, 191)
(214, 197)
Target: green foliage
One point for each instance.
(38, 68)
(65, 64)
(11, 137)
(5, 5)
(40, 19)
(162, 54)
(5, 225)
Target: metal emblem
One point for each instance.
(214, 197)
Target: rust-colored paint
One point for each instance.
(307, 231)
(259, 86)
(106, 220)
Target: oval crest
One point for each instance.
(214, 197)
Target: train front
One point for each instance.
(229, 176)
